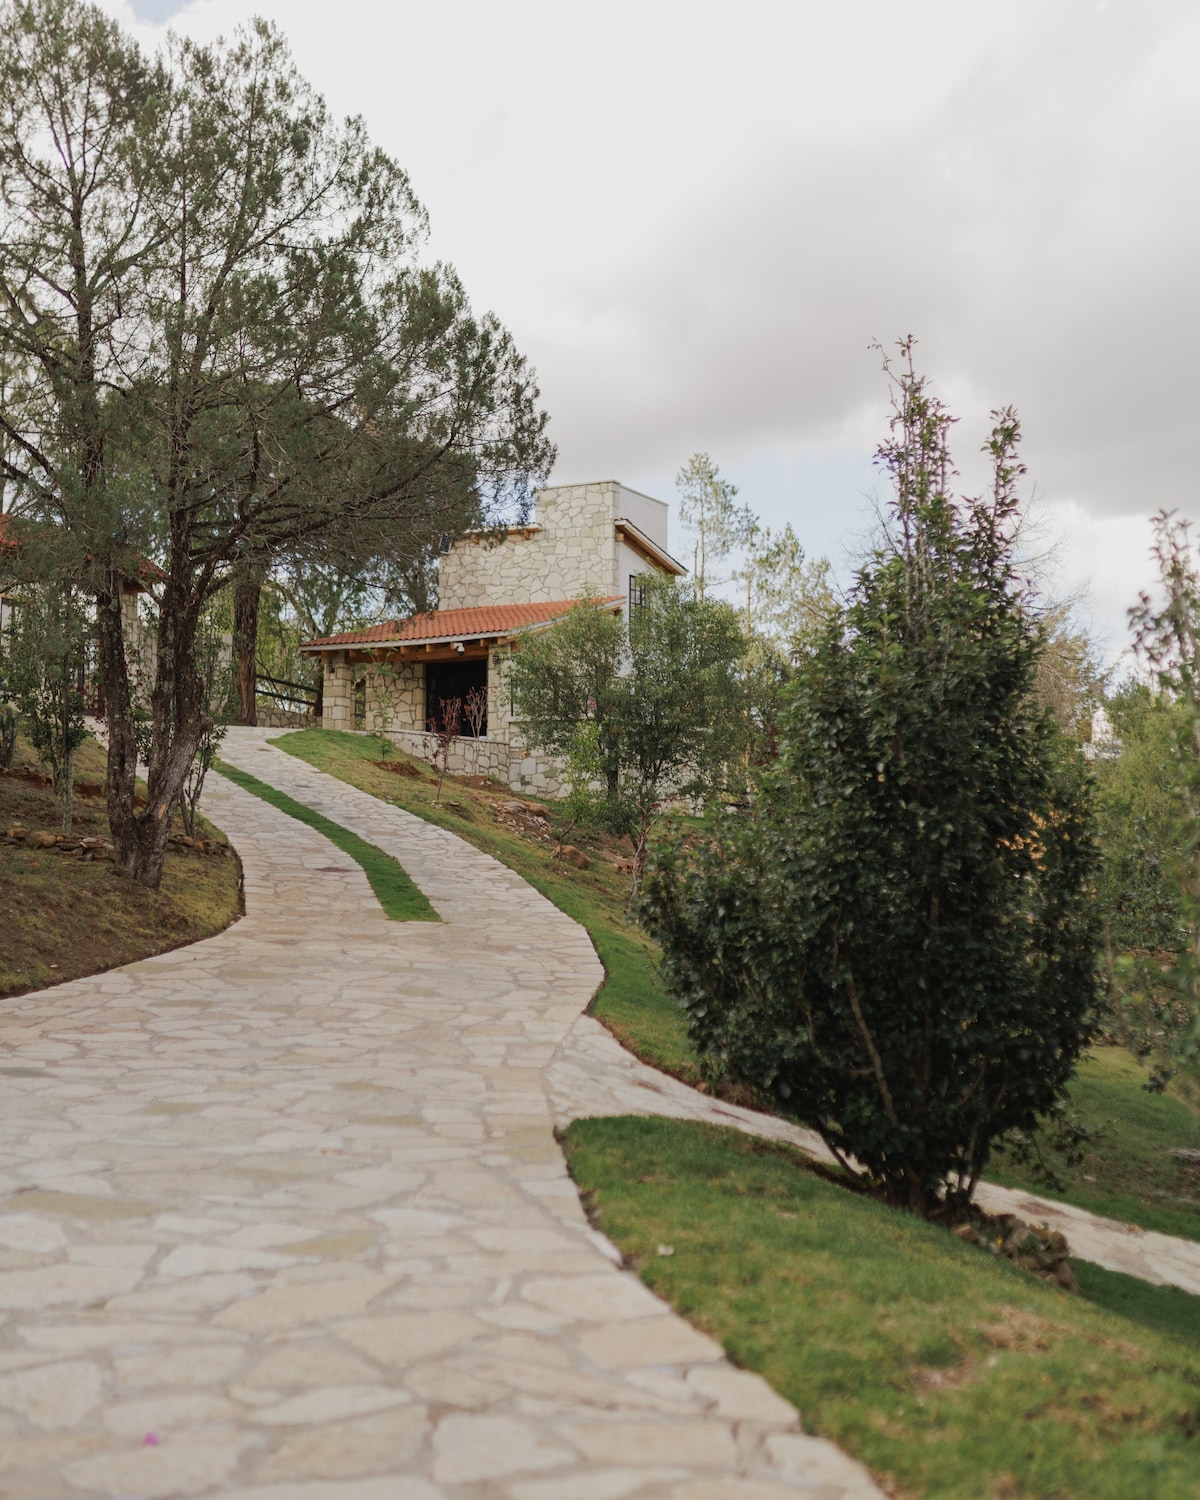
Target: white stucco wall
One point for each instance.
(647, 514)
(629, 563)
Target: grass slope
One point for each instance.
(631, 1002)
(1129, 1175)
(1132, 1176)
(952, 1375)
(393, 887)
(60, 919)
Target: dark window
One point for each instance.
(360, 703)
(448, 680)
(637, 591)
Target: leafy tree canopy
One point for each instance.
(220, 343)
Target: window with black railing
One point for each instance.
(637, 592)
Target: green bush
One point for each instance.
(899, 939)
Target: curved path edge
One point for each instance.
(592, 1074)
(283, 1216)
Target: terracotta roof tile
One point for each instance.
(453, 624)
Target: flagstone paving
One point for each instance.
(283, 1215)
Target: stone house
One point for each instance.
(586, 540)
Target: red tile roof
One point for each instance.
(452, 624)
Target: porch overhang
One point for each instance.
(447, 634)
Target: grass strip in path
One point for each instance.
(401, 900)
(632, 1002)
(953, 1375)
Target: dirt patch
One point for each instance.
(528, 819)
(1021, 1331)
(65, 915)
(25, 773)
(401, 768)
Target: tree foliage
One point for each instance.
(898, 940)
(709, 512)
(41, 670)
(1136, 815)
(1072, 676)
(788, 597)
(220, 344)
(1167, 634)
(640, 712)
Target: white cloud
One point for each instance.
(695, 217)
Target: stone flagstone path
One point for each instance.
(283, 1215)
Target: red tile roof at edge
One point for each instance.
(9, 542)
(449, 624)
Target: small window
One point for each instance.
(360, 703)
(637, 591)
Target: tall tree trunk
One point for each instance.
(118, 705)
(180, 718)
(247, 591)
(180, 713)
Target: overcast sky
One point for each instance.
(695, 218)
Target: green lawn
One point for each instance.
(393, 888)
(1129, 1175)
(949, 1373)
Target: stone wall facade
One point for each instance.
(395, 696)
(512, 764)
(569, 550)
(501, 753)
(337, 693)
(283, 718)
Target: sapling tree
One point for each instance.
(898, 938)
(385, 685)
(709, 512)
(444, 728)
(475, 707)
(641, 714)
